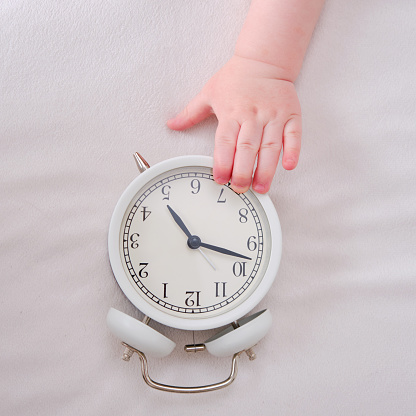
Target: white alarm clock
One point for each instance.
(195, 255)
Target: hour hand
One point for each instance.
(191, 238)
(223, 251)
(179, 221)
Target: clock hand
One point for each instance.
(207, 259)
(223, 250)
(183, 227)
(179, 221)
(194, 241)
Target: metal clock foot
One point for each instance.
(250, 353)
(127, 354)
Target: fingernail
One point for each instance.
(260, 188)
(289, 163)
(238, 189)
(221, 181)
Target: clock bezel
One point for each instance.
(159, 315)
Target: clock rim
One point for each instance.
(151, 311)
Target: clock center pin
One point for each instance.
(194, 242)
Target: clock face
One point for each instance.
(190, 249)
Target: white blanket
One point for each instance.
(86, 83)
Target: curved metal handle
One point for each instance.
(179, 389)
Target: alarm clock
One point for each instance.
(194, 255)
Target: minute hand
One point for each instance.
(223, 251)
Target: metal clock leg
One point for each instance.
(249, 351)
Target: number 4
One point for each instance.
(145, 213)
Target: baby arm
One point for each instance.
(253, 95)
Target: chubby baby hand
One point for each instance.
(258, 114)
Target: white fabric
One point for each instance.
(83, 85)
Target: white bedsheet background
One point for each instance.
(84, 84)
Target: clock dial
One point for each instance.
(192, 248)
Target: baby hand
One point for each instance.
(258, 113)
